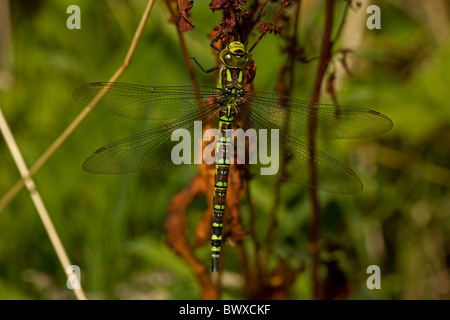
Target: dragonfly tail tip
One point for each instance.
(215, 262)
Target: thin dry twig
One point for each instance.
(6, 199)
(27, 174)
(37, 200)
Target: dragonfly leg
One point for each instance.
(203, 69)
(215, 40)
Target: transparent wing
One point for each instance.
(332, 121)
(144, 102)
(329, 175)
(297, 158)
(152, 149)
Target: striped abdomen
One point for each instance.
(223, 151)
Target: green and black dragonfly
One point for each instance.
(229, 106)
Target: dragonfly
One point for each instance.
(228, 106)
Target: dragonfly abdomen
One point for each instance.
(223, 158)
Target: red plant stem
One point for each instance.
(325, 57)
(184, 50)
(277, 15)
(284, 87)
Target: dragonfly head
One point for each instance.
(235, 56)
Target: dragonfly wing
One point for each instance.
(329, 174)
(292, 159)
(331, 121)
(152, 149)
(143, 102)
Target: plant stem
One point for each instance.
(325, 57)
(11, 194)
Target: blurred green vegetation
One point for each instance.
(113, 226)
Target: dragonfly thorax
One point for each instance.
(232, 82)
